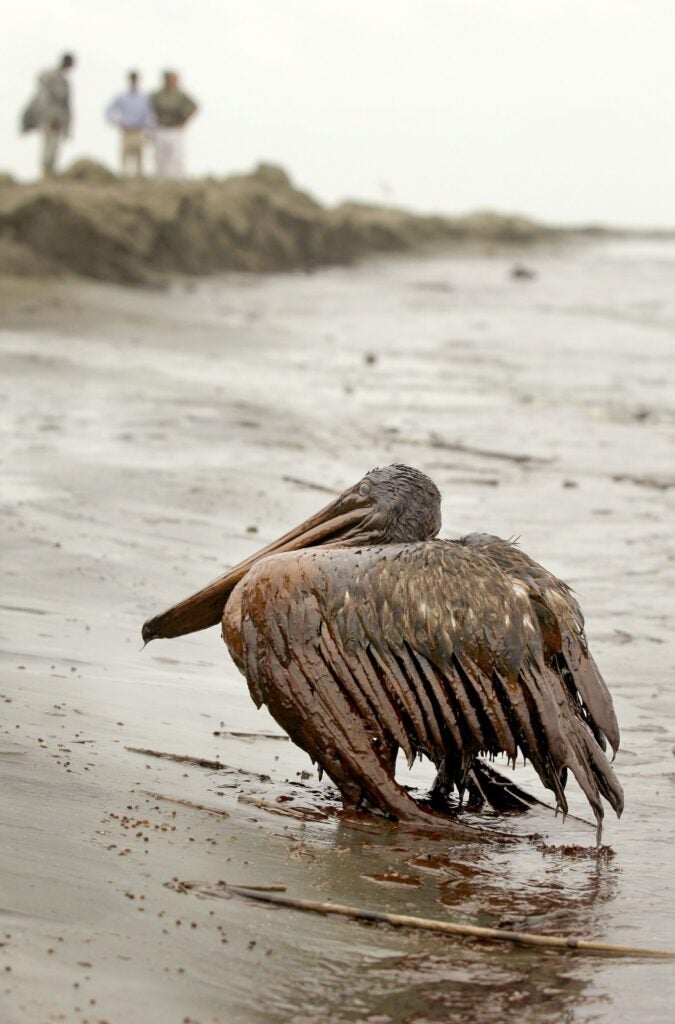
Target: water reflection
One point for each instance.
(412, 977)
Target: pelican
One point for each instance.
(363, 634)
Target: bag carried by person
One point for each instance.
(30, 118)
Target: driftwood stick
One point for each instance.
(431, 925)
(202, 762)
(249, 735)
(187, 803)
(219, 889)
(288, 812)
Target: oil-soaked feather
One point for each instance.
(350, 688)
(354, 673)
(562, 626)
(417, 686)
(505, 740)
(438, 688)
(398, 687)
(366, 672)
(448, 648)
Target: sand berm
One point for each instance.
(90, 223)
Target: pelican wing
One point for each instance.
(562, 627)
(442, 648)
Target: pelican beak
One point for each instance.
(205, 608)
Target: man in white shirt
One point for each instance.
(131, 111)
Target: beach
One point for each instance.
(155, 436)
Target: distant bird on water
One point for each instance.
(364, 634)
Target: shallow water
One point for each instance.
(152, 440)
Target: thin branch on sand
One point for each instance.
(249, 735)
(467, 931)
(202, 889)
(202, 762)
(289, 812)
(187, 803)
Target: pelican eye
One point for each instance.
(364, 488)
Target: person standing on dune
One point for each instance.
(50, 112)
(172, 108)
(131, 111)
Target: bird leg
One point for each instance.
(484, 785)
(441, 795)
(498, 790)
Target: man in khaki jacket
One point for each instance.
(53, 111)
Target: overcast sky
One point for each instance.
(563, 109)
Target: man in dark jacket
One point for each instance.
(173, 108)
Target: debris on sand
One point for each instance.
(201, 762)
(222, 890)
(188, 803)
(301, 813)
(520, 272)
(178, 885)
(239, 735)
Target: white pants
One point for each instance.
(169, 152)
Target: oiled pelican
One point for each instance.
(363, 634)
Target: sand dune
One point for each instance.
(90, 223)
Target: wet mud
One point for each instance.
(152, 440)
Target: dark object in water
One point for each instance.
(520, 272)
(363, 634)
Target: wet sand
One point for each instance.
(152, 439)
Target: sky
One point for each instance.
(560, 109)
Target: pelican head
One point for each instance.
(393, 505)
